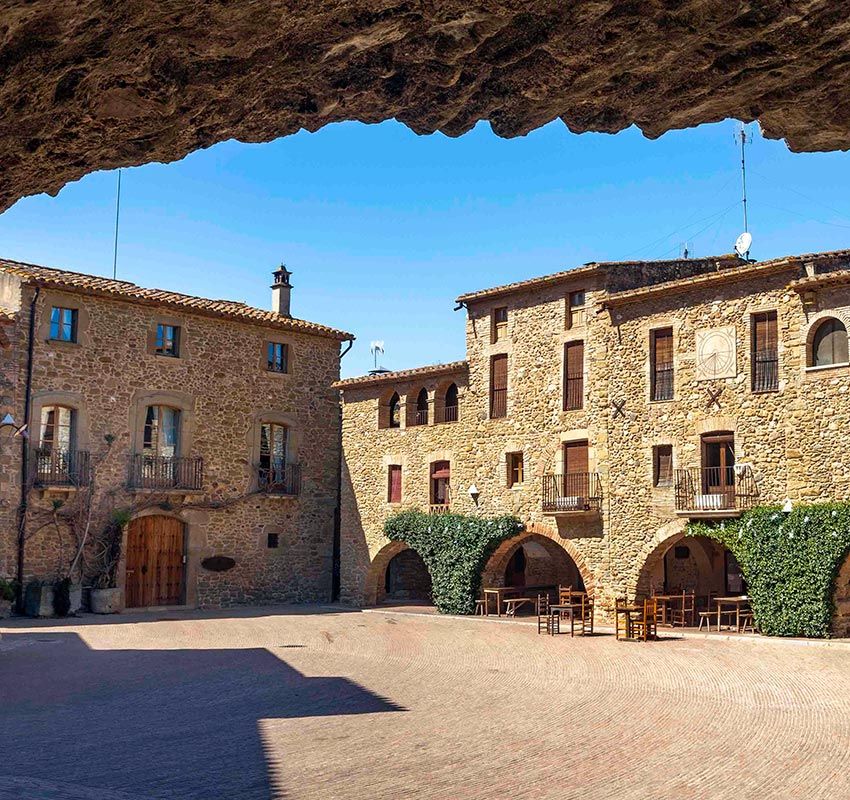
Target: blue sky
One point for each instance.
(383, 228)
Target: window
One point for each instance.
(575, 316)
(277, 357)
(394, 483)
(515, 469)
(499, 386)
(440, 483)
(273, 541)
(273, 450)
(573, 375)
(662, 465)
(167, 340)
(661, 366)
(681, 552)
(576, 479)
(395, 411)
(421, 414)
(450, 405)
(162, 431)
(63, 324)
(829, 345)
(57, 429)
(500, 323)
(764, 352)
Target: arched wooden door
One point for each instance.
(155, 562)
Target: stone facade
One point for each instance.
(224, 392)
(786, 443)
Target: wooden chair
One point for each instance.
(623, 618)
(746, 622)
(705, 618)
(544, 615)
(682, 613)
(565, 594)
(585, 616)
(645, 626)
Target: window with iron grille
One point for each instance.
(661, 364)
(662, 465)
(573, 376)
(394, 483)
(277, 357)
(575, 309)
(500, 323)
(765, 352)
(516, 469)
(63, 324)
(167, 341)
(499, 386)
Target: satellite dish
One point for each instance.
(743, 244)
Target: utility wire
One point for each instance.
(804, 196)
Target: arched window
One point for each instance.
(422, 408)
(450, 404)
(57, 461)
(58, 429)
(162, 431)
(395, 411)
(829, 344)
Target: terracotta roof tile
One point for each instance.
(543, 280)
(403, 374)
(823, 279)
(232, 309)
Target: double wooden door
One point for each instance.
(155, 561)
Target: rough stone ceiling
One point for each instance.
(88, 85)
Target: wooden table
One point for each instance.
(567, 609)
(499, 592)
(738, 602)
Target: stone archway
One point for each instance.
(375, 586)
(540, 542)
(406, 579)
(841, 599)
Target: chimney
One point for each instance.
(281, 289)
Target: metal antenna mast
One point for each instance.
(117, 212)
(745, 139)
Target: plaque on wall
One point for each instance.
(716, 356)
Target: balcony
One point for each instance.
(282, 480)
(166, 473)
(446, 414)
(576, 493)
(715, 491)
(61, 468)
(439, 508)
(420, 417)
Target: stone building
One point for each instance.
(211, 426)
(606, 406)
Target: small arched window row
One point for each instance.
(828, 345)
(389, 411)
(448, 410)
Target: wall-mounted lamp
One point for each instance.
(473, 493)
(8, 421)
(787, 506)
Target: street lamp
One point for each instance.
(8, 421)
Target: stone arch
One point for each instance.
(816, 325)
(841, 598)
(373, 590)
(494, 571)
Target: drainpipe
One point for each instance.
(336, 566)
(22, 508)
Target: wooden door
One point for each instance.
(155, 562)
(575, 469)
(718, 463)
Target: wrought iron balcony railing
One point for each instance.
(61, 467)
(715, 489)
(572, 493)
(282, 479)
(166, 472)
(446, 414)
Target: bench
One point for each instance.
(513, 603)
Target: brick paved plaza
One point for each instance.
(302, 704)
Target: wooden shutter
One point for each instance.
(498, 385)
(662, 364)
(764, 356)
(575, 457)
(573, 375)
(394, 484)
(663, 465)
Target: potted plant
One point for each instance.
(106, 596)
(7, 597)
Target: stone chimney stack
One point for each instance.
(281, 289)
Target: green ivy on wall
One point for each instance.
(790, 562)
(455, 549)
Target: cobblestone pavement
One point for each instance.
(283, 703)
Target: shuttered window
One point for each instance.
(394, 483)
(661, 358)
(764, 355)
(499, 386)
(573, 375)
(575, 309)
(575, 478)
(662, 465)
(500, 323)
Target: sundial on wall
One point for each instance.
(716, 354)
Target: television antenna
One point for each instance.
(743, 137)
(375, 348)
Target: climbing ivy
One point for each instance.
(790, 562)
(455, 549)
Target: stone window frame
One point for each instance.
(176, 340)
(648, 344)
(430, 459)
(263, 361)
(499, 329)
(509, 457)
(184, 345)
(73, 400)
(181, 401)
(653, 469)
(53, 298)
(813, 323)
(748, 332)
(569, 323)
(394, 460)
(254, 441)
(567, 338)
(384, 400)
